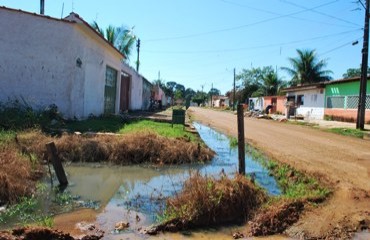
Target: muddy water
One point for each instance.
(136, 194)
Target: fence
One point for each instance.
(346, 102)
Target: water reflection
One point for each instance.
(143, 190)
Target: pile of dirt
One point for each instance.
(119, 149)
(42, 233)
(276, 218)
(18, 175)
(205, 201)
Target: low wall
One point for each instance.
(348, 115)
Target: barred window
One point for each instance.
(352, 102)
(335, 102)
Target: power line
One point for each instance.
(318, 12)
(238, 27)
(339, 47)
(279, 14)
(251, 48)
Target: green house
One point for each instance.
(341, 99)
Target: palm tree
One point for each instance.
(120, 37)
(272, 84)
(306, 68)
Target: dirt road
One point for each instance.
(343, 163)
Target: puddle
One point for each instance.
(136, 194)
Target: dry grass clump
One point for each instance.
(152, 148)
(123, 149)
(276, 218)
(17, 176)
(205, 201)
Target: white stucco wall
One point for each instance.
(38, 63)
(313, 107)
(258, 103)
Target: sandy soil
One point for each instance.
(343, 163)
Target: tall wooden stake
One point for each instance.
(241, 141)
(58, 167)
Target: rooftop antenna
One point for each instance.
(73, 5)
(61, 15)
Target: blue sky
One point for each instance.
(199, 42)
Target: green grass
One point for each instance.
(96, 124)
(302, 123)
(6, 137)
(294, 184)
(233, 142)
(347, 132)
(116, 125)
(163, 129)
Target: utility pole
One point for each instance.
(234, 93)
(212, 96)
(363, 82)
(42, 7)
(138, 55)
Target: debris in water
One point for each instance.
(121, 226)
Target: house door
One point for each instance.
(125, 92)
(273, 104)
(110, 91)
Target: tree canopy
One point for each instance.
(120, 37)
(307, 68)
(354, 72)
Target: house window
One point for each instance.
(300, 100)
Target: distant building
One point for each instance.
(337, 100)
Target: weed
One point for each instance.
(96, 124)
(347, 132)
(294, 184)
(17, 114)
(233, 142)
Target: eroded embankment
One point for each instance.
(119, 149)
(29, 233)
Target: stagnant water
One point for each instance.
(129, 193)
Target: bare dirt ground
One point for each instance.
(343, 163)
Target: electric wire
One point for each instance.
(250, 48)
(238, 27)
(318, 12)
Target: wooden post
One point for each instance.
(241, 142)
(57, 164)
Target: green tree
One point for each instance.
(214, 92)
(354, 72)
(120, 37)
(199, 97)
(189, 93)
(307, 68)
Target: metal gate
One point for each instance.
(110, 91)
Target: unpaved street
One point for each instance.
(341, 162)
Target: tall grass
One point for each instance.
(205, 201)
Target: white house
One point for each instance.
(256, 103)
(306, 100)
(58, 61)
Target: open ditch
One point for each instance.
(136, 195)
